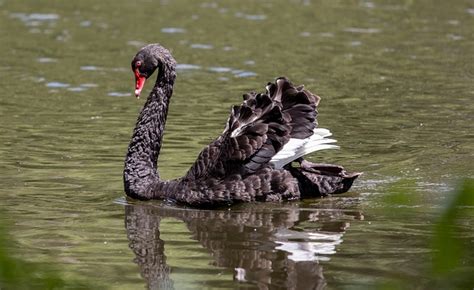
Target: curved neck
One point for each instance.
(141, 173)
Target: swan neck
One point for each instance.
(166, 77)
(141, 176)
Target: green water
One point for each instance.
(396, 81)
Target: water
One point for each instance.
(396, 81)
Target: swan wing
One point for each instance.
(257, 130)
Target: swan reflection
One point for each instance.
(265, 245)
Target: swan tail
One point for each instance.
(322, 179)
(297, 148)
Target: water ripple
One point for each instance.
(46, 59)
(254, 17)
(89, 85)
(34, 19)
(202, 46)
(119, 94)
(369, 5)
(77, 89)
(57, 85)
(243, 73)
(85, 23)
(219, 69)
(239, 73)
(89, 68)
(136, 43)
(249, 62)
(186, 66)
(454, 36)
(362, 30)
(173, 30)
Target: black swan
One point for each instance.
(250, 161)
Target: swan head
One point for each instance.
(144, 64)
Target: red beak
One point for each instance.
(139, 83)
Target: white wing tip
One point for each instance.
(296, 148)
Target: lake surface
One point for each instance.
(397, 85)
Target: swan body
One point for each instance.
(251, 159)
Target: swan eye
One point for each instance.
(138, 63)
